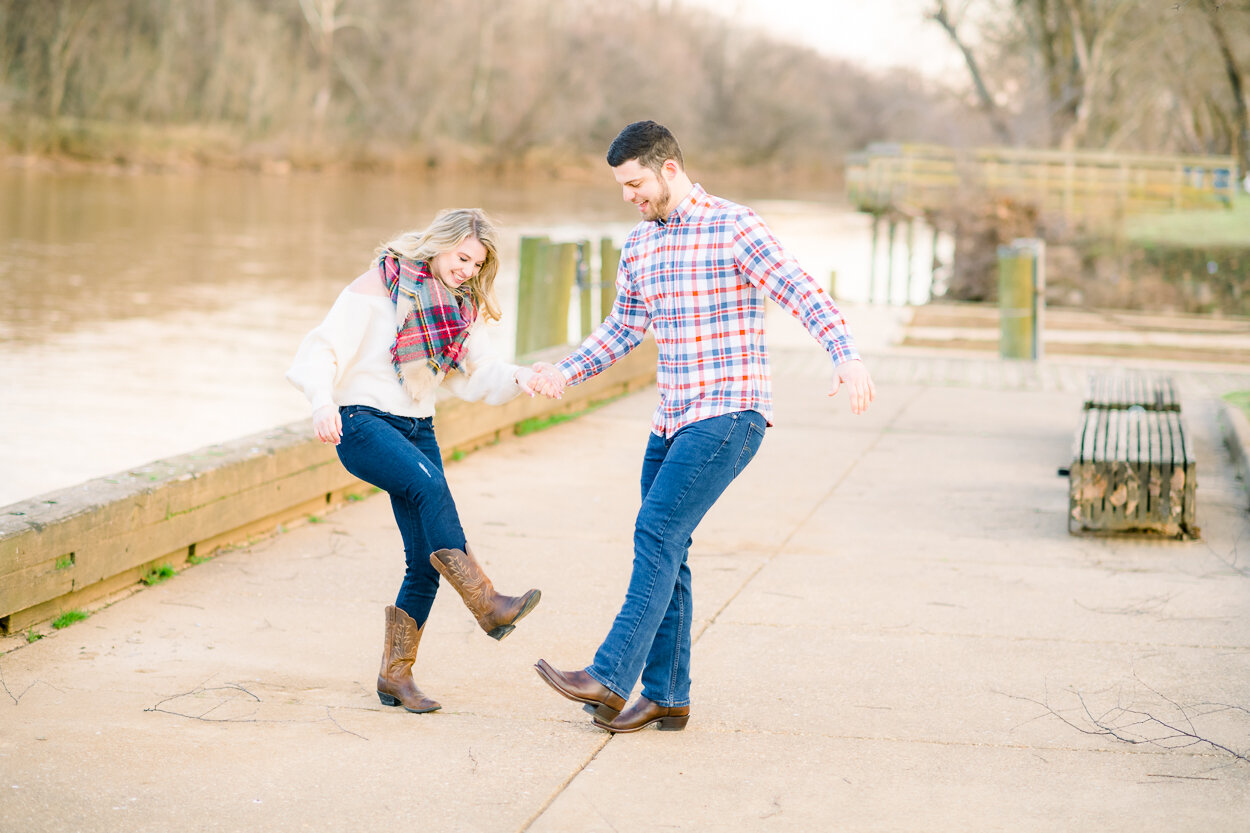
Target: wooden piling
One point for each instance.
(559, 298)
(911, 245)
(582, 278)
(889, 263)
(609, 262)
(934, 263)
(872, 263)
(530, 291)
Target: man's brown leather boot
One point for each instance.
(395, 684)
(495, 612)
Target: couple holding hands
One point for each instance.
(695, 271)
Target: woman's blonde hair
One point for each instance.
(449, 229)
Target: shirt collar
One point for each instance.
(685, 208)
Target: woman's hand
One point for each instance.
(327, 424)
(525, 380)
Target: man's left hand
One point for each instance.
(855, 376)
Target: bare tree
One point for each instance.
(1086, 29)
(1216, 19)
(70, 29)
(1067, 44)
(324, 21)
(941, 15)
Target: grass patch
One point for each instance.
(1241, 399)
(68, 618)
(64, 562)
(199, 559)
(533, 424)
(159, 574)
(1207, 227)
(31, 636)
(315, 519)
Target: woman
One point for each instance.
(406, 326)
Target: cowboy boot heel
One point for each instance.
(674, 723)
(501, 631)
(387, 700)
(643, 713)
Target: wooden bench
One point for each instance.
(1133, 467)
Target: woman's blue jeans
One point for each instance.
(400, 456)
(682, 476)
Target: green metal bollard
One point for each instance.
(1020, 285)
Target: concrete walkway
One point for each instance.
(894, 632)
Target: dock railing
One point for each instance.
(914, 178)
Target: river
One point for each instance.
(148, 315)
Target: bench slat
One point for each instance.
(1121, 390)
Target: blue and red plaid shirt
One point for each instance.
(699, 280)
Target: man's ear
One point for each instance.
(670, 169)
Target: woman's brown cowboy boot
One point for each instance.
(395, 684)
(495, 612)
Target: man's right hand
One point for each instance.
(547, 380)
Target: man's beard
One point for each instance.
(659, 212)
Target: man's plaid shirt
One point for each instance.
(699, 280)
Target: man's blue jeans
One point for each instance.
(400, 456)
(682, 476)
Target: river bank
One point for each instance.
(76, 146)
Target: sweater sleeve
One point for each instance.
(327, 349)
(490, 379)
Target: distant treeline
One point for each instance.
(437, 84)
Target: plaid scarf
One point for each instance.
(432, 323)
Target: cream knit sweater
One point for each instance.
(346, 360)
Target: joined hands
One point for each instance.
(541, 378)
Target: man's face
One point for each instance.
(642, 187)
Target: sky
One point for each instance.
(876, 34)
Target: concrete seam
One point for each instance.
(529, 822)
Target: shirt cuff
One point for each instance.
(570, 371)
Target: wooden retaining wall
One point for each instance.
(70, 547)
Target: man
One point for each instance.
(696, 270)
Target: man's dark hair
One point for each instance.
(650, 143)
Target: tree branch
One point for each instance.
(1146, 725)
